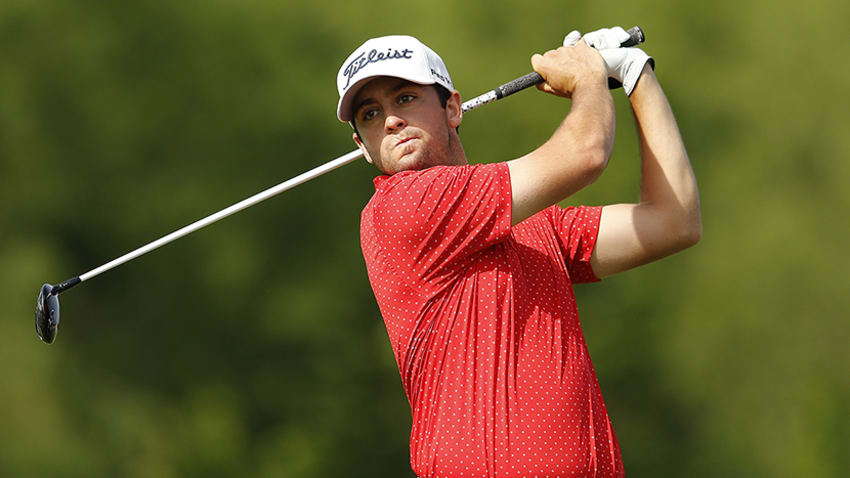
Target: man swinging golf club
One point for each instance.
(472, 265)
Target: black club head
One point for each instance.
(47, 314)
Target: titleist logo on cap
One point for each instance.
(373, 56)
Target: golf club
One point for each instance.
(47, 304)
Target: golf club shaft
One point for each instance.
(507, 89)
(245, 203)
(636, 37)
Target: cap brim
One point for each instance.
(344, 108)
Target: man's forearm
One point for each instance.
(589, 126)
(668, 183)
(572, 158)
(578, 151)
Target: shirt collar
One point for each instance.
(380, 180)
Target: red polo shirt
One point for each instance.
(483, 323)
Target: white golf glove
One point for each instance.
(624, 64)
(606, 38)
(572, 38)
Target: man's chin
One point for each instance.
(414, 161)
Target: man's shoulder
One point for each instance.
(404, 193)
(433, 175)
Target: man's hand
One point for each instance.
(623, 64)
(568, 68)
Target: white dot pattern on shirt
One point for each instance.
(484, 327)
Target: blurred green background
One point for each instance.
(255, 347)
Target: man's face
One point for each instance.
(403, 126)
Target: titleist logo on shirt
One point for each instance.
(373, 56)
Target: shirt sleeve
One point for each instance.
(577, 229)
(443, 215)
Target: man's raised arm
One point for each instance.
(578, 151)
(667, 218)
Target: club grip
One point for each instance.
(636, 37)
(518, 84)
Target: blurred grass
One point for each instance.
(255, 348)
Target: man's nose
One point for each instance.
(394, 123)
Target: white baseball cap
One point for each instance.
(399, 56)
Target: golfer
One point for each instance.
(472, 265)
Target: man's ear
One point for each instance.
(362, 147)
(454, 110)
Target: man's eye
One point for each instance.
(406, 98)
(369, 114)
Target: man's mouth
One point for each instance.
(405, 140)
(405, 146)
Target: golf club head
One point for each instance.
(47, 314)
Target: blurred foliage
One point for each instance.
(255, 347)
